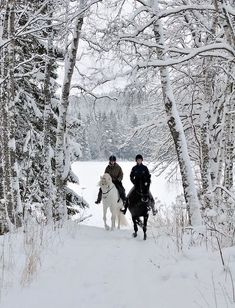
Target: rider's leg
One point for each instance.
(126, 203)
(99, 197)
(121, 190)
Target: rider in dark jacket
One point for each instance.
(140, 170)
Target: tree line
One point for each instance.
(178, 54)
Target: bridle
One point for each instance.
(139, 191)
(105, 193)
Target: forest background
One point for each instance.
(155, 77)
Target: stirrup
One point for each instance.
(155, 212)
(123, 211)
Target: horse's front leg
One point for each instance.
(145, 226)
(104, 217)
(134, 219)
(113, 218)
(119, 219)
(119, 213)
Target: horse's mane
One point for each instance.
(142, 183)
(105, 178)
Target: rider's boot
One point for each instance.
(125, 206)
(154, 212)
(152, 204)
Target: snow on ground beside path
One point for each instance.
(93, 268)
(84, 266)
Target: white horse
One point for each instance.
(110, 199)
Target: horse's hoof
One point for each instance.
(134, 234)
(145, 236)
(107, 228)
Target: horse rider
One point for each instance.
(140, 170)
(116, 173)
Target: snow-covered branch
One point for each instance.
(192, 54)
(80, 87)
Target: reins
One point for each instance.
(140, 193)
(105, 193)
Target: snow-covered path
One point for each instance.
(93, 268)
(84, 266)
(88, 267)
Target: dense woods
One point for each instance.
(85, 79)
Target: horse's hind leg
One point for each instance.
(145, 226)
(135, 226)
(139, 222)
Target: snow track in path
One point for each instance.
(88, 267)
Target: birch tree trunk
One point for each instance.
(229, 140)
(230, 100)
(177, 132)
(12, 97)
(4, 225)
(5, 99)
(3, 207)
(229, 132)
(206, 137)
(59, 210)
(229, 157)
(47, 169)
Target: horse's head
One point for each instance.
(142, 184)
(105, 180)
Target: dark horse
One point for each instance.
(138, 203)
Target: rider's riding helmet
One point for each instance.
(139, 156)
(112, 158)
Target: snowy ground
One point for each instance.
(84, 266)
